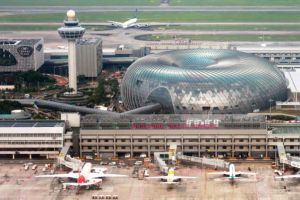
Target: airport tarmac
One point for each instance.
(16, 183)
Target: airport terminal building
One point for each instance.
(226, 136)
(21, 54)
(239, 136)
(31, 138)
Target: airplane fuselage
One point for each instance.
(129, 23)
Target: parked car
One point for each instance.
(112, 163)
(143, 155)
(103, 163)
(138, 162)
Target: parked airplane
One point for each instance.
(233, 175)
(129, 24)
(85, 177)
(171, 179)
(297, 175)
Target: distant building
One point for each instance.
(21, 54)
(89, 57)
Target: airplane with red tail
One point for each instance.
(85, 177)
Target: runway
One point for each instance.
(112, 38)
(155, 23)
(62, 9)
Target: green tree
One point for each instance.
(7, 106)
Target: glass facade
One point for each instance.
(203, 81)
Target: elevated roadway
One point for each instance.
(151, 108)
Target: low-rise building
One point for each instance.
(31, 138)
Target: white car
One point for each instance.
(112, 163)
(143, 155)
(127, 155)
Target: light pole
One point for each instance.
(270, 101)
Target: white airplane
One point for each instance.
(85, 177)
(129, 24)
(233, 175)
(297, 175)
(171, 179)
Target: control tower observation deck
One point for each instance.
(71, 31)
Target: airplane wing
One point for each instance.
(70, 175)
(170, 183)
(184, 177)
(99, 169)
(237, 179)
(102, 175)
(218, 173)
(116, 23)
(139, 25)
(90, 182)
(288, 176)
(247, 173)
(157, 177)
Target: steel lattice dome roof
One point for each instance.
(203, 80)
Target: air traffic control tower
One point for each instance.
(71, 31)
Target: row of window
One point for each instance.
(191, 147)
(30, 135)
(30, 142)
(185, 140)
(193, 140)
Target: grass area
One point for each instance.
(76, 2)
(162, 17)
(234, 2)
(231, 27)
(188, 27)
(28, 28)
(47, 28)
(222, 38)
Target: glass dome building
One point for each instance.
(203, 81)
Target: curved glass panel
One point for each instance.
(202, 81)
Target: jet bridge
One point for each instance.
(286, 159)
(281, 152)
(67, 160)
(159, 159)
(216, 163)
